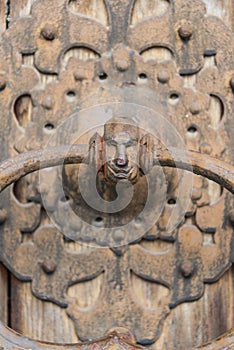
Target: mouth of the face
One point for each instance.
(128, 173)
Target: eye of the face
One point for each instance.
(111, 142)
(131, 143)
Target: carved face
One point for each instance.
(121, 142)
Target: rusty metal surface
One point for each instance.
(13, 169)
(117, 71)
(195, 259)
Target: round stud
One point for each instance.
(195, 107)
(187, 269)
(196, 193)
(138, 221)
(48, 102)
(185, 31)
(48, 32)
(163, 77)
(48, 267)
(3, 216)
(122, 65)
(118, 235)
(79, 74)
(206, 148)
(2, 83)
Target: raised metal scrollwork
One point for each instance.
(192, 269)
(94, 67)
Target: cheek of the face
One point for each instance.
(133, 156)
(110, 152)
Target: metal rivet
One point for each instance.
(2, 83)
(163, 77)
(48, 32)
(138, 221)
(185, 31)
(118, 235)
(48, 267)
(206, 148)
(3, 216)
(195, 108)
(122, 65)
(48, 102)
(79, 74)
(196, 193)
(232, 83)
(187, 269)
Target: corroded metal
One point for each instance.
(13, 169)
(196, 261)
(121, 66)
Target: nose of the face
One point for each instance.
(121, 161)
(121, 158)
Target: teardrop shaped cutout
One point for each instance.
(88, 292)
(23, 110)
(157, 53)
(149, 294)
(144, 9)
(81, 53)
(216, 111)
(90, 8)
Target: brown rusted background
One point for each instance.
(188, 324)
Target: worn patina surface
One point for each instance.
(119, 67)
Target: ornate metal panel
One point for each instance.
(119, 101)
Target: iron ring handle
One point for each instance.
(16, 167)
(214, 169)
(200, 164)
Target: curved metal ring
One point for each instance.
(214, 169)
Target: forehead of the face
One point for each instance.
(121, 128)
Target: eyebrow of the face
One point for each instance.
(115, 140)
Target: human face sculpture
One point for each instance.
(121, 144)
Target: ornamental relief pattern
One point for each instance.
(149, 61)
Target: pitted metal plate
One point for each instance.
(117, 70)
